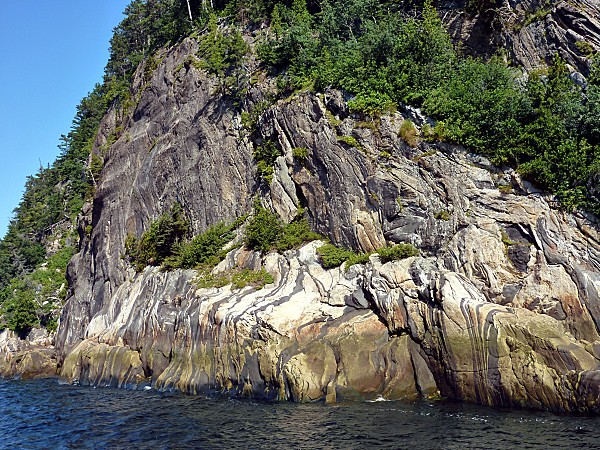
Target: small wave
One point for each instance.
(44, 414)
(378, 399)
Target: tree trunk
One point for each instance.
(189, 11)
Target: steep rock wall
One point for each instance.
(178, 143)
(530, 32)
(502, 307)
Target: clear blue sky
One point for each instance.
(53, 52)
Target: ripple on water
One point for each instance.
(46, 414)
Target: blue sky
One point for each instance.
(53, 52)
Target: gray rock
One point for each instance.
(531, 31)
(179, 144)
(501, 308)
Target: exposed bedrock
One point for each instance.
(501, 308)
(303, 338)
(33, 357)
(180, 143)
(530, 32)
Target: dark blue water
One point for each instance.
(44, 414)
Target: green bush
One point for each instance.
(408, 132)
(263, 229)
(131, 247)
(372, 104)
(332, 256)
(505, 188)
(222, 52)
(19, 311)
(238, 278)
(350, 141)
(35, 299)
(159, 241)
(50, 281)
(443, 215)
(300, 153)
(357, 258)
(333, 122)
(96, 165)
(250, 118)
(206, 279)
(207, 248)
(51, 324)
(585, 48)
(295, 234)
(150, 65)
(255, 278)
(203, 251)
(265, 156)
(397, 252)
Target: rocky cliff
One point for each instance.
(502, 307)
(33, 357)
(529, 32)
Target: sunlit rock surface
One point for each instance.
(502, 306)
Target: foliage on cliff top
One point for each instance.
(544, 126)
(222, 53)
(543, 123)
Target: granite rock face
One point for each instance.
(296, 339)
(33, 357)
(180, 143)
(531, 31)
(502, 306)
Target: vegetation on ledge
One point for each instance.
(165, 243)
(265, 231)
(333, 256)
(386, 54)
(542, 123)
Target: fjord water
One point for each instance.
(44, 414)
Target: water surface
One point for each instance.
(45, 414)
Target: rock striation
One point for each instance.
(502, 307)
(308, 336)
(530, 32)
(180, 143)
